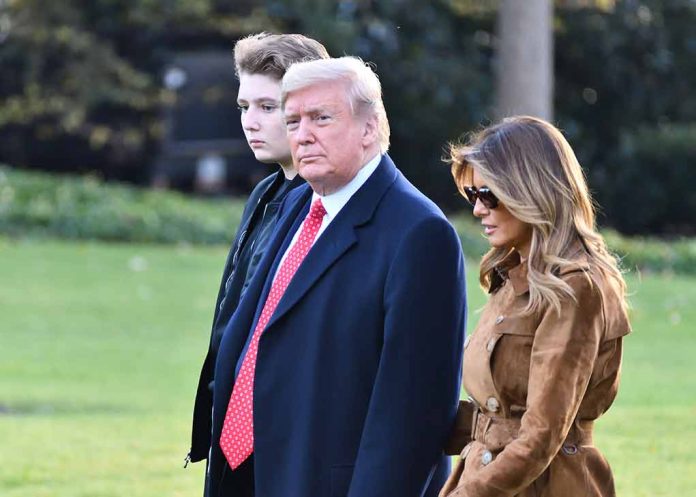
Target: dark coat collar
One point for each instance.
(338, 237)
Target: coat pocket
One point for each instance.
(510, 352)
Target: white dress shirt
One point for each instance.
(334, 202)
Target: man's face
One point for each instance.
(262, 119)
(329, 144)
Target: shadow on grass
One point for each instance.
(38, 409)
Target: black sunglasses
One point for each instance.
(484, 194)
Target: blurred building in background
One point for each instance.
(203, 148)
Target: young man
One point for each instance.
(260, 63)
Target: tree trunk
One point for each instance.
(525, 58)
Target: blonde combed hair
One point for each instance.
(272, 55)
(364, 90)
(532, 169)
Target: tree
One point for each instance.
(433, 60)
(524, 72)
(80, 81)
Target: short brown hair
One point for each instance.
(272, 55)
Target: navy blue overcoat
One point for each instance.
(357, 373)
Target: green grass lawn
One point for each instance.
(100, 346)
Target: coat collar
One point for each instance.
(338, 237)
(265, 198)
(513, 269)
(279, 182)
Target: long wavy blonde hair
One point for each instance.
(531, 168)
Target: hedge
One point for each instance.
(44, 205)
(40, 204)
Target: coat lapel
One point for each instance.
(338, 238)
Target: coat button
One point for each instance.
(491, 345)
(492, 404)
(467, 340)
(486, 458)
(499, 319)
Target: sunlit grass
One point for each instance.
(100, 347)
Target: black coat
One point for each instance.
(251, 240)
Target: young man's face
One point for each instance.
(262, 119)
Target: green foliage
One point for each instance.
(81, 90)
(621, 68)
(37, 204)
(81, 80)
(651, 254)
(624, 98)
(433, 60)
(655, 168)
(64, 71)
(641, 171)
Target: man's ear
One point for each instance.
(370, 131)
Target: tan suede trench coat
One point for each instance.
(536, 384)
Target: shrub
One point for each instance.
(652, 254)
(45, 205)
(623, 96)
(653, 181)
(38, 204)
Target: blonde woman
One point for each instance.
(543, 363)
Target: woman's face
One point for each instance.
(502, 228)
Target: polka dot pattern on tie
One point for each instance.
(237, 438)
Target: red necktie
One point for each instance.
(237, 438)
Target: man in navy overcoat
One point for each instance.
(356, 378)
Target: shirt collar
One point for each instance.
(334, 202)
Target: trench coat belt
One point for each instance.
(496, 432)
